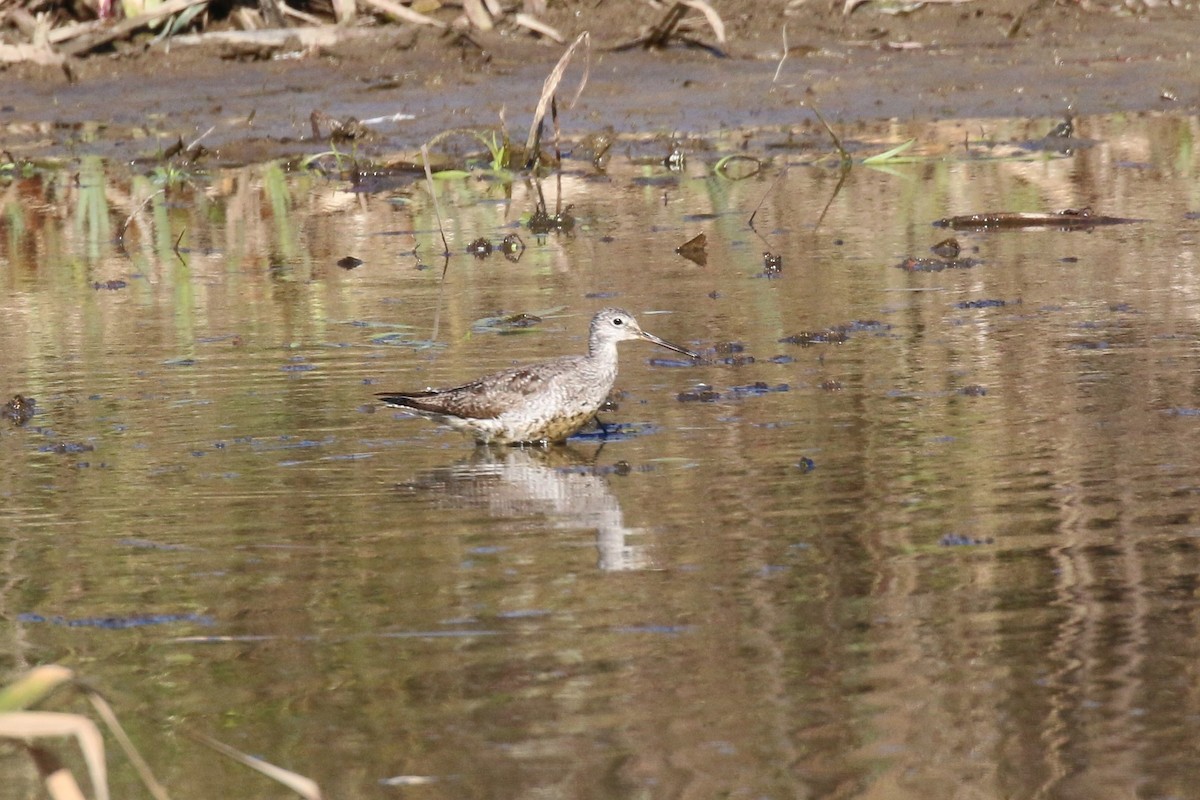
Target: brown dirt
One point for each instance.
(1000, 58)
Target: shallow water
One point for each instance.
(954, 555)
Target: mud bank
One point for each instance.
(1001, 59)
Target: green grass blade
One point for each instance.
(889, 154)
(33, 687)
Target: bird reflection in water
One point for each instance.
(561, 484)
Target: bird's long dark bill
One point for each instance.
(649, 337)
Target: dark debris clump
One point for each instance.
(703, 393)
(981, 304)
(958, 540)
(937, 264)
(20, 409)
(836, 334)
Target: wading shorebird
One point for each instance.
(539, 403)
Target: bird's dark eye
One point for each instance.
(618, 321)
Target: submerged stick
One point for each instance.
(140, 206)
(845, 172)
(757, 208)
(836, 141)
(106, 713)
(304, 786)
(437, 309)
(557, 160)
(437, 211)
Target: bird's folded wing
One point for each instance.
(486, 398)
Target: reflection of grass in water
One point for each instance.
(1185, 156)
(951, 172)
(164, 236)
(91, 207)
(14, 213)
(275, 181)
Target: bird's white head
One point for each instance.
(612, 325)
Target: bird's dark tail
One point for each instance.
(404, 399)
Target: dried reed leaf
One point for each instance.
(850, 5)
(343, 11)
(550, 86)
(26, 725)
(710, 14)
(73, 30)
(402, 13)
(477, 15)
(307, 37)
(537, 26)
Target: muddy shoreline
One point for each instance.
(960, 61)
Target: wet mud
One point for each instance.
(381, 92)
